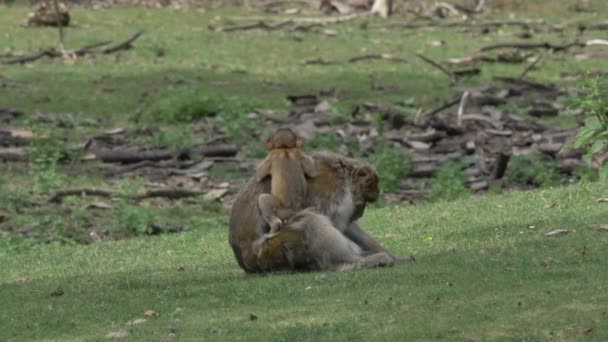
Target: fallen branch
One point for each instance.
(460, 23)
(224, 150)
(168, 193)
(127, 44)
(442, 107)
(534, 45)
(133, 156)
(525, 83)
(258, 25)
(266, 23)
(13, 154)
(30, 58)
(85, 50)
(171, 193)
(438, 66)
(383, 56)
(58, 196)
(530, 67)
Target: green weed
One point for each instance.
(449, 183)
(534, 169)
(593, 136)
(45, 153)
(391, 164)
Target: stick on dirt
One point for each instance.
(438, 66)
(534, 45)
(59, 25)
(463, 103)
(58, 196)
(530, 67)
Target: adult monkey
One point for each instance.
(339, 193)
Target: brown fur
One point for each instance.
(288, 168)
(338, 194)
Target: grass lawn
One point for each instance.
(485, 271)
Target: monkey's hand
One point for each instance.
(276, 224)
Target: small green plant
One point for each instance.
(134, 219)
(175, 139)
(449, 183)
(593, 136)
(392, 165)
(323, 141)
(45, 153)
(185, 104)
(535, 169)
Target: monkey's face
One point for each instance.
(366, 184)
(365, 189)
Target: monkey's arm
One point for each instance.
(308, 165)
(263, 170)
(269, 205)
(361, 238)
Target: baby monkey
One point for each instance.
(288, 168)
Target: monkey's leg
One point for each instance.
(374, 260)
(268, 205)
(308, 165)
(361, 238)
(369, 244)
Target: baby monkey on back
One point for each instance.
(288, 168)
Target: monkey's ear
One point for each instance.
(263, 170)
(364, 172)
(298, 142)
(309, 166)
(269, 144)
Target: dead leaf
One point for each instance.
(117, 334)
(604, 199)
(599, 226)
(557, 232)
(136, 321)
(150, 313)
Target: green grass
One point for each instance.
(485, 271)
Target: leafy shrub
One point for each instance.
(323, 141)
(534, 169)
(593, 136)
(185, 104)
(45, 152)
(227, 113)
(392, 165)
(449, 183)
(134, 219)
